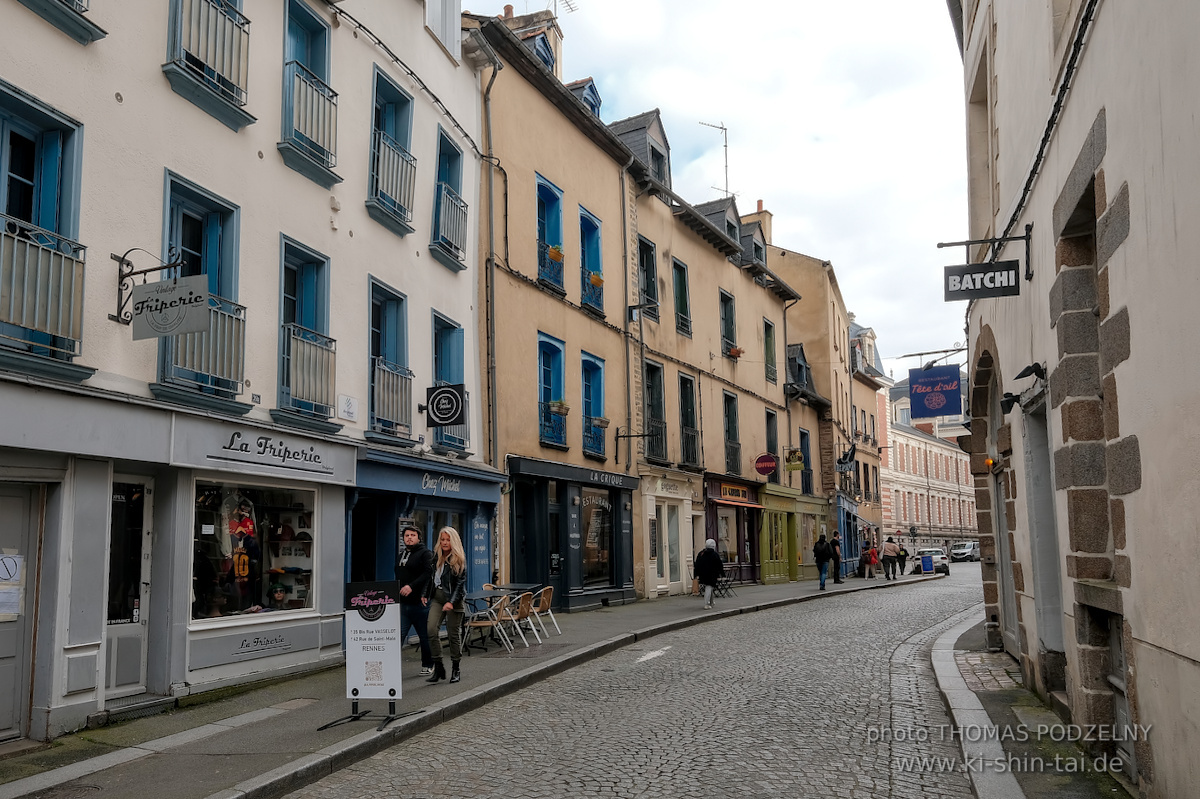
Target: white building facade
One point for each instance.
(313, 171)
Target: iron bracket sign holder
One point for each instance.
(125, 275)
(365, 715)
(617, 441)
(995, 250)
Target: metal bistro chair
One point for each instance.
(542, 607)
(724, 586)
(487, 621)
(522, 615)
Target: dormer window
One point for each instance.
(591, 98)
(760, 253)
(731, 229)
(543, 50)
(658, 164)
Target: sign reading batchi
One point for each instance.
(445, 406)
(977, 281)
(373, 645)
(934, 392)
(170, 307)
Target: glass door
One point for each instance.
(128, 588)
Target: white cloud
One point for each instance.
(846, 119)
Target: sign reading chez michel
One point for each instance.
(170, 307)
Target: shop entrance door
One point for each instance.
(18, 565)
(128, 588)
(669, 553)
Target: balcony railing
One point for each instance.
(689, 446)
(593, 436)
(214, 358)
(391, 398)
(78, 5)
(728, 346)
(214, 43)
(592, 293)
(772, 372)
(806, 481)
(683, 323)
(309, 359)
(393, 176)
(310, 115)
(550, 271)
(450, 221)
(457, 436)
(41, 288)
(733, 457)
(552, 427)
(656, 444)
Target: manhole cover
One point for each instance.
(66, 792)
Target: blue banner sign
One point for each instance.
(934, 392)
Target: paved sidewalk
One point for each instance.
(264, 742)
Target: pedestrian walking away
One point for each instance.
(902, 558)
(709, 570)
(836, 547)
(446, 593)
(822, 554)
(891, 554)
(414, 570)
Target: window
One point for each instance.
(689, 438)
(760, 253)
(249, 542)
(733, 447)
(591, 98)
(393, 169)
(209, 62)
(203, 232)
(543, 50)
(683, 306)
(448, 354)
(658, 165)
(731, 229)
(772, 371)
(551, 401)
(591, 271)
(728, 324)
(772, 422)
(597, 523)
(549, 234)
(904, 416)
(309, 105)
(443, 18)
(39, 208)
(594, 423)
(656, 413)
(307, 353)
(872, 425)
(390, 378)
(647, 278)
(806, 474)
(449, 209)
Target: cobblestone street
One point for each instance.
(809, 698)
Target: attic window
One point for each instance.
(542, 49)
(760, 254)
(591, 98)
(731, 229)
(658, 165)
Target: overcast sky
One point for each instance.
(845, 119)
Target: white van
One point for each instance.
(965, 550)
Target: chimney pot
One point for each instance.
(508, 9)
(760, 205)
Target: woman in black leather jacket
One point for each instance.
(445, 593)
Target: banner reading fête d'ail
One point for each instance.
(934, 392)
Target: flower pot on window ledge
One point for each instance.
(555, 253)
(595, 279)
(736, 352)
(558, 408)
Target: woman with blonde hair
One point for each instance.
(445, 593)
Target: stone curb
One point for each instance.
(966, 711)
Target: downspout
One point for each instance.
(787, 404)
(625, 315)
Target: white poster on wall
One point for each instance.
(373, 646)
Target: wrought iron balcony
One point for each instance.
(450, 222)
(213, 42)
(592, 293)
(457, 436)
(772, 372)
(391, 398)
(656, 444)
(310, 115)
(41, 289)
(309, 361)
(550, 271)
(689, 446)
(593, 435)
(683, 323)
(733, 457)
(212, 360)
(552, 427)
(393, 176)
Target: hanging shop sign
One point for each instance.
(171, 307)
(977, 281)
(794, 461)
(766, 463)
(445, 406)
(935, 392)
(373, 645)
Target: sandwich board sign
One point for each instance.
(373, 645)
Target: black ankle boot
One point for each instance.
(439, 672)
(455, 674)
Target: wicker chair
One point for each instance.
(522, 614)
(542, 608)
(487, 621)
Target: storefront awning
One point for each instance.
(737, 504)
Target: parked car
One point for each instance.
(965, 550)
(941, 563)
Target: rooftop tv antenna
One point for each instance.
(725, 136)
(570, 6)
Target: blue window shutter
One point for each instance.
(212, 253)
(306, 301)
(297, 43)
(588, 372)
(389, 331)
(49, 179)
(545, 374)
(457, 339)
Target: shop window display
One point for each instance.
(597, 524)
(253, 550)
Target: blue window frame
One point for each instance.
(591, 98)
(683, 303)
(309, 123)
(552, 424)
(591, 261)
(40, 161)
(594, 422)
(549, 233)
(448, 353)
(543, 50)
(728, 317)
(393, 168)
(390, 377)
(202, 231)
(648, 277)
(304, 314)
(209, 57)
(449, 209)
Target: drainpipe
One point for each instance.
(625, 315)
(787, 404)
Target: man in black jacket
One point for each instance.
(414, 569)
(709, 570)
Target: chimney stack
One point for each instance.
(508, 12)
(760, 206)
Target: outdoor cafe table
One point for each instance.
(488, 595)
(519, 587)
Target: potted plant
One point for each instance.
(736, 352)
(596, 279)
(555, 253)
(558, 407)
